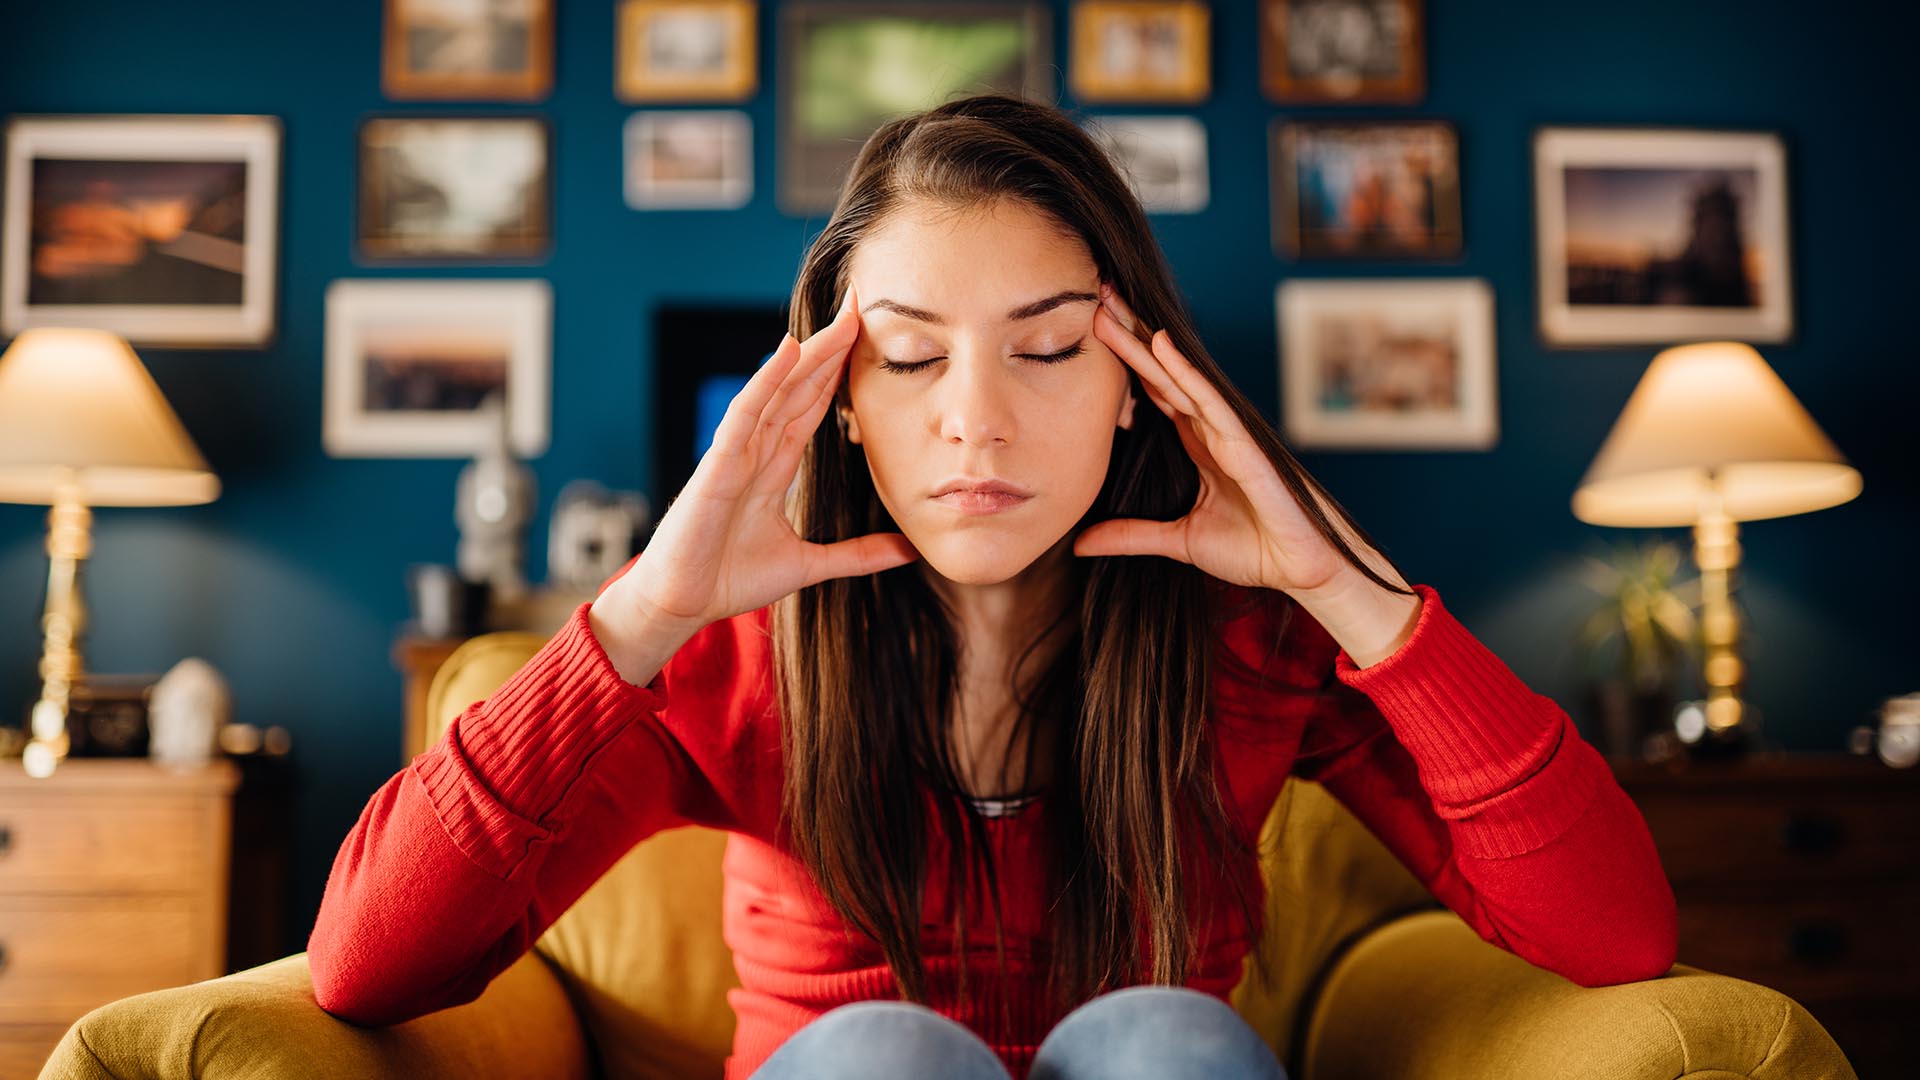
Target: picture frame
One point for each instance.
(1377, 189)
(1655, 236)
(1140, 51)
(688, 159)
(410, 361)
(162, 228)
(1388, 363)
(686, 50)
(454, 189)
(1343, 52)
(830, 100)
(1164, 159)
(474, 50)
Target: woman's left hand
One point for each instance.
(1245, 527)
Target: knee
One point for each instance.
(871, 1040)
(1163, 1032)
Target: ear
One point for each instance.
(848, 423)
(1126, 409)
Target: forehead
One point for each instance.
(972, 264)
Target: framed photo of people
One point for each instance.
(477, 50)
(1376, 189)
(686, 50)
(847, 68)
(460, 189)
(409, 363)
(1388, 364)
(1649, 236)
(164, 229)
(1343, 52)
(1143, 51)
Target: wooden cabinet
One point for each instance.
(1800, 872)
(113, 881)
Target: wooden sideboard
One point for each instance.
(113, 881)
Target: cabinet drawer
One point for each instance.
(107, 843)
(1816, 946)
(65, 955)
(1780, 839)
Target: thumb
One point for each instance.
(861, 555)
(1131, 536)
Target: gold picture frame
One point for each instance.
(1141, 51)
(686, 50)
(443, 54)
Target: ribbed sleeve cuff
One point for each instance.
(1477, 732)
(509, 761)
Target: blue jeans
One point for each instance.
(1138, 1033)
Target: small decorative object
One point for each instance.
(1896, 739)
(1655, 236)
(191, 704)
(1164, 159)
(494, 503)
(689, 159)
(468, 189)
(410, 362)
(481, 50)
(1388, 363)
(107, 716)
(162, 229)
(847, 68)
(714, 351)
(1377, 189)
(1140, 51)
(446, 605)
(593, 534)
(1342, 51)
(686, 50)
(1651, 619)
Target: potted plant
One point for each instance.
(1639, 640)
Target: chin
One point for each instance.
(969, 558)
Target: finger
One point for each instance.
(859, 556)
(793, 441)
(1213, 408)
(1140, 358)
(1133, 536)
(742, 417)
(820, 355)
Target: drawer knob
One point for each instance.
(1817, 942)
(6, 838)
(1810, 833)
(3, 958)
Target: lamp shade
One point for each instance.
(1706, 418)
(77, 407)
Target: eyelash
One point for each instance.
(1077, 348)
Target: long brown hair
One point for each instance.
(867, 713)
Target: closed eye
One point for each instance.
(1068, 353)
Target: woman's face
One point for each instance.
(993, 310)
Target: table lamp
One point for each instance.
(1711, 437)
(82, 424)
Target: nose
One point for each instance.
(975, 402)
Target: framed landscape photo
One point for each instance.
(1343, 52)
(1650, 236)
(409, 363)
(455, 189)
(686, 50)
(1140, 51)
(847, 68)
(1388, 364)
(1372, 189)
(689, 159)
(479, 50)
(1164, 159)
(163, 229)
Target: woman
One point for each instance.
(998, 654)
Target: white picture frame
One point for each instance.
(1615, 221)
(1164, 159)
(156, 194)
(384, 339)
(1388, 363)
(688, 159)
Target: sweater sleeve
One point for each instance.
(1486, 791)
(460, 861)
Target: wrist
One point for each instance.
(1368, 621)
(637, 640)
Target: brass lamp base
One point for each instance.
(69, 542)
(1722, 725)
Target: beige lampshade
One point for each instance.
(1713, 409)
(79, 406)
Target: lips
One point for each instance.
(980, 495)
(987, 485)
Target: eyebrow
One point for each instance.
(1024, 311)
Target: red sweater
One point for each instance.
(1483, 788)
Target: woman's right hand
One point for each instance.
(724, 545)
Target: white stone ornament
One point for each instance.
(188, 707)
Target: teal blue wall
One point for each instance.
(291, 582)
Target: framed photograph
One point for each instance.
(1345, 52)
(1374, 189)
(847, 68)
(686, 50)
(702, 355)
(479, 50)
(689, 159)
(409, 363)
(1654, 236)
(164, 229)
(465, 189)
(1140, 51)
(1164, 158)
(1388, 364)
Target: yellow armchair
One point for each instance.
(1373, 979)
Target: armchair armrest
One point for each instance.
(1424, 998)
(263, 1022)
